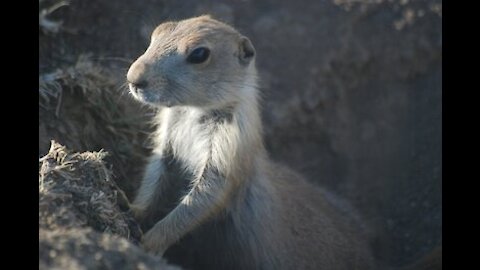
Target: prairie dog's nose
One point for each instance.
(137, 73)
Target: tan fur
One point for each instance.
(238, 209)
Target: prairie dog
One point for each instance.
(210, 190)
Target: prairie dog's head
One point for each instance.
(197, 62)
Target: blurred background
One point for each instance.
(352, 96)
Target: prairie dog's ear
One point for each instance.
(247, 51)
(206, 16)
(162, 28)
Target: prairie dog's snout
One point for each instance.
(146, 83)
(136, 76)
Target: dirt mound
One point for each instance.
(84, 217)
(87, 249)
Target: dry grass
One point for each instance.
(84, 219)
(76, 190)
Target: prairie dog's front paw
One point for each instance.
(153, 243)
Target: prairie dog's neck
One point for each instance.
(227, 137)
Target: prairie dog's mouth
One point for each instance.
(149, 96)
(133, 89)
(137, 92)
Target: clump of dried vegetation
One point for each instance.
(84, 219)
(77, 190)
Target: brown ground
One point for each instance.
(352, 99)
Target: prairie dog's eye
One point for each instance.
(199, 55)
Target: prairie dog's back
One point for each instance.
(321, 223)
